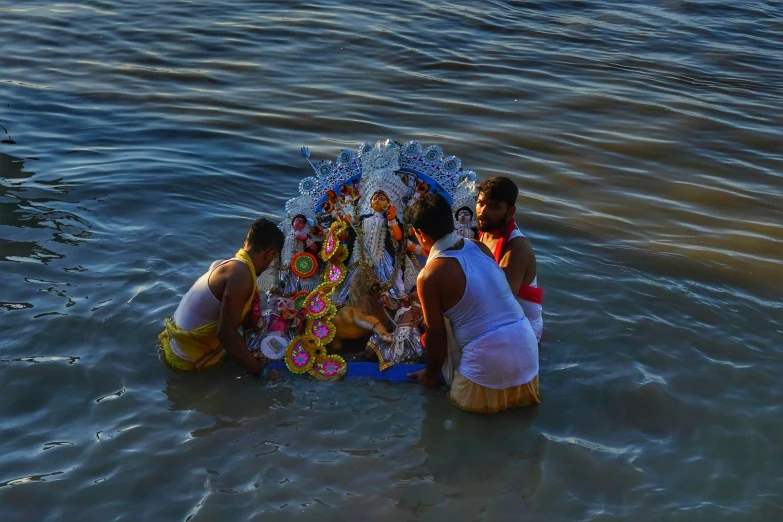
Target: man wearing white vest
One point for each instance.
(491, 354)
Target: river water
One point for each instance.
(139, 139)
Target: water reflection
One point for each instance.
(27, 204)
(482, 456)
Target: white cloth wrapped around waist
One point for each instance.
(490, 361)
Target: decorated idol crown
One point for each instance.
(399, 171)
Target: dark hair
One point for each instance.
(500, 189)
(431, 214)
(460, 209)
(304, 218)
(264, 235)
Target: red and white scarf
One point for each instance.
(526, 292)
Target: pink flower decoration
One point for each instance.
(317, 305)
(330, 368)
(301, 357)
(320, 329)
(334, 274)
(330, 245)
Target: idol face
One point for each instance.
(379, 202)
(464, 216)
(299, 224)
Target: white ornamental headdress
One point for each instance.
(465, 195)
(380, 163)
(442, 173)
(380, 167)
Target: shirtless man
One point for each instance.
(495, 210)
(206, 322)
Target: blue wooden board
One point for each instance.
(369, 370)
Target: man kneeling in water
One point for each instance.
(497, 366)
(206, 322)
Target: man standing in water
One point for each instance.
(495, 210)
(490, 354)
(206, 322)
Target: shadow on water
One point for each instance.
(222, 396)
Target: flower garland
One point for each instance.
(306, 353)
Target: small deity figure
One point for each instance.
(280, 312)
(339, 210)
(405, 345)
(421, 188)
(464, 224)
(348, 194)
(299, 239)
(317, 234)
(410, 180)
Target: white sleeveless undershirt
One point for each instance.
(533, 311)
(198, 307)
(499, 348)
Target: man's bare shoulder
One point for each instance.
(438, 269)
(484, 248)
(236, 272)
(520, 247)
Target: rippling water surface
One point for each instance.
(139, 139)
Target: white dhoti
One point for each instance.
(453, 354)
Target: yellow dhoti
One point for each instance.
(469, 396)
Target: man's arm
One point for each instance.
(430, 297)
(516, 261)
(239, 286)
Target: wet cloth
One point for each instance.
(469, 396)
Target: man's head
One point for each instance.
(496, 203)
(431, 219)
(264, 242)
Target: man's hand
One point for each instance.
(426, 380)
